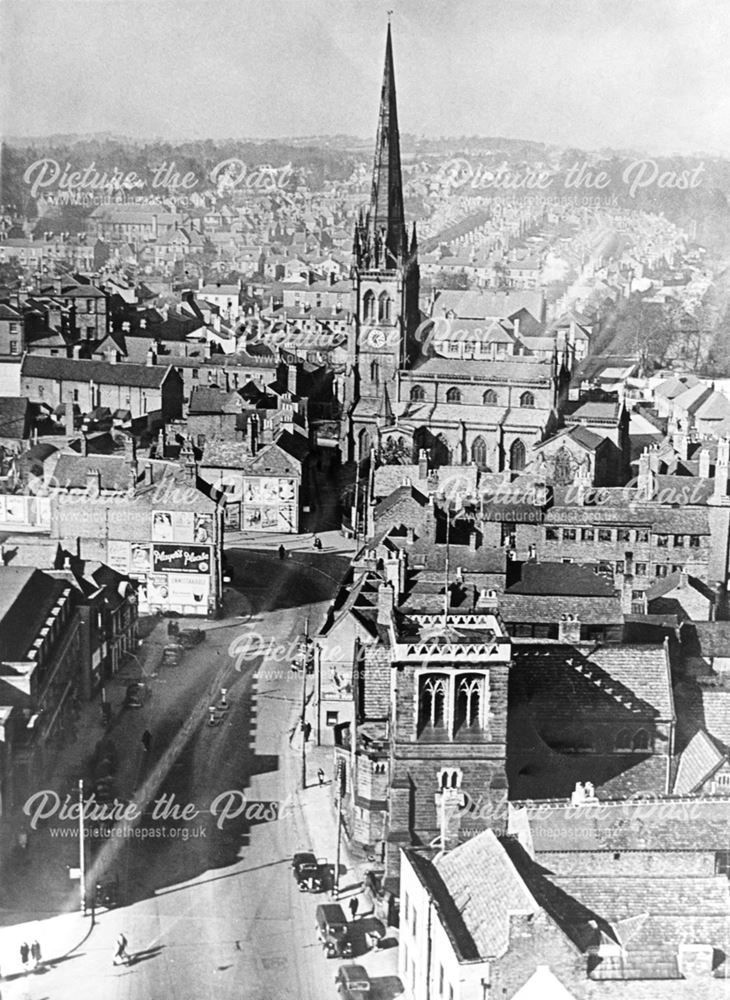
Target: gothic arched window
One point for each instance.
(517, 456)
(527, 399)
(641, 740)
(489, 398)
(453, 395)
(432, 702)
(368, 305)
(623, 740)
(383, 307)
(374, 372)
(479, 452)
(364, 445)
(417, 394)
(469, 693)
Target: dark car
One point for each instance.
(136, 696)
(353, 982)
(190, 637)
(307, 871)
(332, 931)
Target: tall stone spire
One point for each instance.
(387, 219)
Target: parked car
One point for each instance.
(353, 982)
(190, 637)
(307, 871)
(137, 694)
(172, 654)
(332, 931)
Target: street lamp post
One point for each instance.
(304, 703)
(338, 778)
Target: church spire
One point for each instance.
(386, 199)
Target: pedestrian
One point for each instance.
(35, 951)
(354, 903)
(24, 954)
(320, 776)
(146, 739)
(120, 955)
(282, 552)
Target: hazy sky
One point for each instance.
(652, 74)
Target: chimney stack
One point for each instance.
(569, 628)
(645, 479)
(719, 495)
(704, 471)
(422, 466)
(68, 416)
(151, 358)
(93, 482)
(386, 603)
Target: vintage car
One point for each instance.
(332, 931)
(307, 872)
(353, 982)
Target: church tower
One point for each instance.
(385, 279)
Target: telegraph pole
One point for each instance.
(338, 778)
(305, 662)
(82, 852)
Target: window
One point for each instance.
(490, 398)
(76, 395)
(13, 346)
(331, 718)
(569, 534)
(637, 595)
(677, 567)
(620, 566)
(527, 399)
(587, 534)
(551, 534)
(662, 541)
(368, 305)
(694, 541)
(661, 570)
(432, 702)
(468, 702)
(40, 390)
(517, 456)
(384, 307)
(641, 741)
(622, 534)
(375, 372)
(723, 780)
(623, 740)
(605, 535)
(722, 862)
(605, 567)
(417, 394)
(642, 536)
(640, 569)
(679, 541)
(479, 452)
(453, 396)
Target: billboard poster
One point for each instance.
(173, 526)
(287, 521)
(158, 590)
(252, 518)
(251, 490)
(269, 518)
(139, 561)
(232, 516)
(117, 555)
(286, 490)
(180, 558)
(203, 534)
(269, 490)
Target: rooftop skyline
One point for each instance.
(649, 76)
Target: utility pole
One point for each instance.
(305, 663)
(338, 778)
(82, 851)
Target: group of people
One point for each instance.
(30, 954)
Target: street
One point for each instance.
(208, 902)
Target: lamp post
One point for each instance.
(82, 851)
(338, 802)
(305, 662)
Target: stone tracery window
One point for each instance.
(432, 702)
(469, 693)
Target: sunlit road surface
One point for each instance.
(238, 927)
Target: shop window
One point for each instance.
(569, 534)
(605, 535)
(551, 534)
(588, 534)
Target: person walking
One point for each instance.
(120, 955)
(320, 776)
(282, 552)
(146, 739)
(354, 903)
(35, 951)
(24, 954)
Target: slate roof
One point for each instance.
(70, 471)
(661, 520)
(485, 889)
(550, 609)
(709, 639)
(26, 598)
(14, 416)
(585, 677)
(555, 578)
(475, 304)
(697, 762)
(397, 497)
(101, 372)
(515, 370)
(212, 400)
(632, 825)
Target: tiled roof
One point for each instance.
(26, 598)
(551, 578)
(486, 889)
(398, 496)
(631, 825)
(583, 677)
(618, 897)
(101, 372)
(550, 609)
(516, 370)
(662, 520)
(699, 759)
(482, 305)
